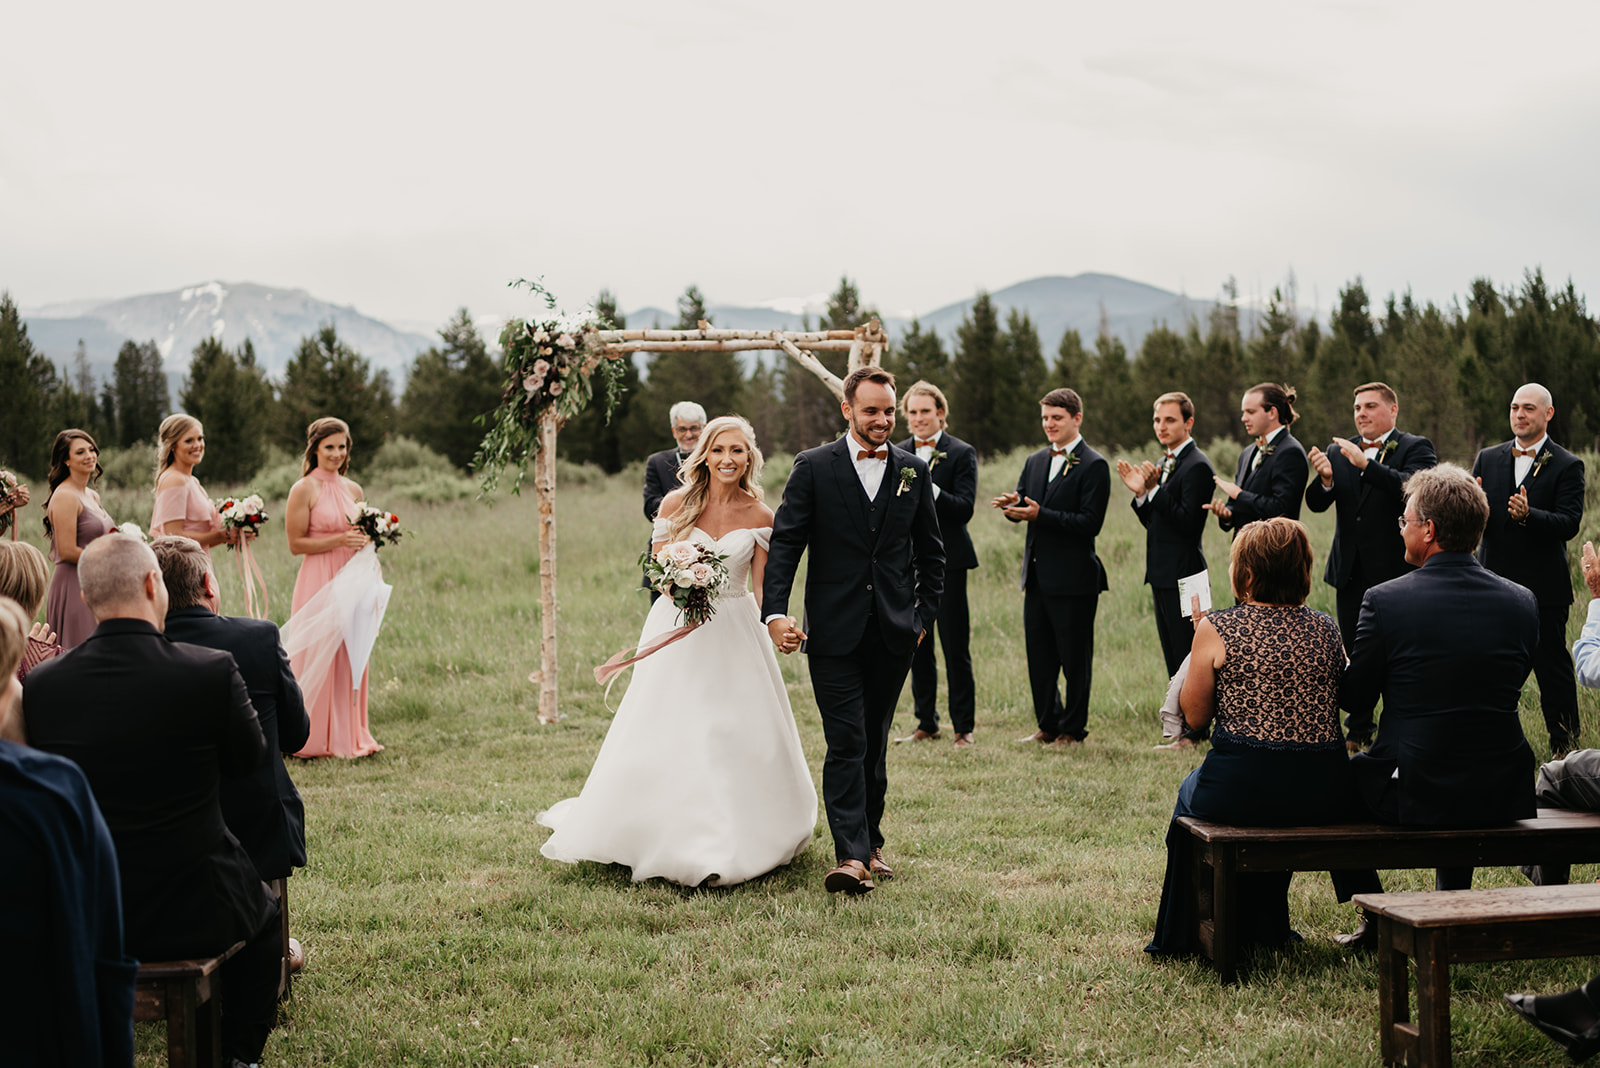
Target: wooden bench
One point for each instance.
(1221, 853)
(1442, 928)
(185, 994)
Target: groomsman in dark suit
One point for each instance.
(953, 468)
(1535, 490)
(263, 809)
(1272, 469)
(1447, 647)
(156, 726)
(865, 511)
(661, 468)
(1062, 496)
(1170, 501)
(1364, 479)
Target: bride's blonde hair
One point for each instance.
(695, 473)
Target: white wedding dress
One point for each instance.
(701, 778)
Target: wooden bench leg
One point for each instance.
(1224, 912)
(183, 1026)
(1394, 995)
(1433, 998)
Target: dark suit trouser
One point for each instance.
(954, 626)
(1552, 666)
(250, 992)
(1059, 634)
(1177, 638)
(856, 694)
(1348, 598)
(1348, 883)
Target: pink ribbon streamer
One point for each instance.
(250, 575)
(607, 673)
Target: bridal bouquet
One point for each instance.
(692, 575)
(8, 489)
(382, 527)
(242, 513)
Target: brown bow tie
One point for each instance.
(878, 454)
(1261, 442)
(929, 442)
(1172, 456)
(1522, 452)
(1054, 452)
(1370, 443)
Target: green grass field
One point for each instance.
(1027, 887)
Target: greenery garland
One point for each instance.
(550, 366)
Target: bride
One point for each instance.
(701, 778)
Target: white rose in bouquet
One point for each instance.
(683, 553)
(701, 574)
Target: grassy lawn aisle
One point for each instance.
(1028, 879)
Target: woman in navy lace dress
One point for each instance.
(1266, 671)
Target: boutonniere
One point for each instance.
(933, 461)
(1072, 460)
(908, 475)
(1542, 459)
(1388, 447)
(1262, 452)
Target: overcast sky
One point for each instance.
(411, 158)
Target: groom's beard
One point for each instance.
(881, 437)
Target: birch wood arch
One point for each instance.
(866, 345)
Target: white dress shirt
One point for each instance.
(1255, 461)
(870, 472)
(1586, 650)
(1371, 451)
(925, 454)
(1059, 461)
(1521, 465)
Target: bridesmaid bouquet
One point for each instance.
(8, 489)
(692, 575)
(242, 513)
(382, 527)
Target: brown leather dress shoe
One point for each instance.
(964, 741)
(1039, 736)
(1065, 741)
(849, 876)
(919, 735)
(880, 867)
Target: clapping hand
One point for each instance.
(1352, 452)
(1591, 569)
(786, 634)
(1517, 505)
(1140, 480)
(41, 632)
(1321, 464)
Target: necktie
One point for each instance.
(879, 454)
(1522, 452)
(928, 442)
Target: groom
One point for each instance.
(865, 509)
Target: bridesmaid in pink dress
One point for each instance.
(317, 521)
(182, 506)
(73, 518)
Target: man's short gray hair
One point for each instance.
(687, 412)
(1450, 497)
(112, 570)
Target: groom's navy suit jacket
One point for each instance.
(1273, 489)
(882, 557)
(1447, 647)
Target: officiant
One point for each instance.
(687, 419)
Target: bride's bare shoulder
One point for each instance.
(671, 503)
(762, 513)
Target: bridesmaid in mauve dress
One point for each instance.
(317, 522)
(182, 506)
(73, 518)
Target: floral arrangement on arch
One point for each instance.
(548, 369)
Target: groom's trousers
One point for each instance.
(856, 695)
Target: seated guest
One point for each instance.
(1447, 647)
(156, 726)
(25, 578)
(1586, 650)
(1267, 671)
(66, 993)
(263, 810)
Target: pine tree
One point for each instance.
(973, 370)
(28, 386)
(919, 356)
(1021, 379)
(1072, 362)
(1112, 414)
(589, 438)
(713, 379)
(327, 377)
(450, 386)
(233, 400)
(140, 388)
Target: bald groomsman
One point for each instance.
(1364, 479)
(1535, 490)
